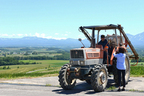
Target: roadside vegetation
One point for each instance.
(137, 71)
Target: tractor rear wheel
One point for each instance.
(127, 71)
(65, 81)
(99, 78)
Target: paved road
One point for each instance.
(36, 87)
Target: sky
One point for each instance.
(60, 19)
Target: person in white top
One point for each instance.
(121, 66)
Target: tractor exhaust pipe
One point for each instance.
(93, 39)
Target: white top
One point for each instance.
(120, 61)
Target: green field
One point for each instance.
(44, 68)
(47, 68)
(137, 71)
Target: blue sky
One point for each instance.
(61, 18)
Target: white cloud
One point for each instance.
(37, 35)
(58, 38)
(13, 35)
(4, 35)
(19, 35)
(26, 35)
(42, 35)
(49, 37)
(65, 34)
(56, 33)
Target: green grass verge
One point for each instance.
(111, 88)
(16, 75)
(137, 71)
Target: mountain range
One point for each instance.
(137, 40)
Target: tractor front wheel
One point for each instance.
(65, 81)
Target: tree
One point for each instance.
(26, 53)
(34, 53)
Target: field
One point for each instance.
(24, 52)
(43, 68)
(137, 71)
(46, 68)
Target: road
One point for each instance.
(37, 87)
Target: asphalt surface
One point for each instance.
(37, 87)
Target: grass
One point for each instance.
(137, 71)
(48, 85)
(46, 68)
(111, 88)
(133, 90)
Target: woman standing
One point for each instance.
(121, 67)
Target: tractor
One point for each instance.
(87, 63)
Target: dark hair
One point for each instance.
(120, 44)
(121, 50)
(102, 36)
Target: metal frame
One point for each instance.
(107, 27)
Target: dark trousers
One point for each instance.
(119, 77)
(105, 57)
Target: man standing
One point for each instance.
(104, 43)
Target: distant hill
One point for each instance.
(137, 40)
(40, 42)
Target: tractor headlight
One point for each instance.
(82, 63)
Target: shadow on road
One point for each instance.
(83, 87)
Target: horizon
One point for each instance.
(45, 37)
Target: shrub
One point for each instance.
(4, 67)
(8, 67)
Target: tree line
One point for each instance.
(12, 61)
(141, 59)
(15, 60)
(64, 56)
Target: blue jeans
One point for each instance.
(119, 77)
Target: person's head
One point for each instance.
(102, 37)
(121, 50)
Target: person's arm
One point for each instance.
(114, 54)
